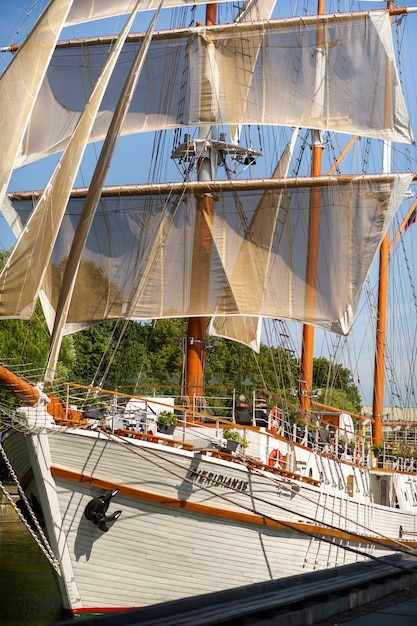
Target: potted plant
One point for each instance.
(377, 450)
(234, 439)
(378, 454)
(167, 420)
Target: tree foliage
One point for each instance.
(131, 355)
(329, 378)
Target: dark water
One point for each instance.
(29, 595)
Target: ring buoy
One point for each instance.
(275, 459)
(274, 416)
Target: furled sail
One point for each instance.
(138, 257)
(264, 74)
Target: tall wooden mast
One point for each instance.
(196, 334)
(378, 396)
(306, 368)
(380, 340)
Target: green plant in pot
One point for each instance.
(377, 450)
(167, 420)
(234, 439)
(378, 454)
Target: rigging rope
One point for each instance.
(44, 544)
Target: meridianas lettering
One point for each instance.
(210, 478)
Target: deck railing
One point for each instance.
(399, 451)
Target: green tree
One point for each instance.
(164, 353)
(330, 378)
(339, 398)
(108, 353)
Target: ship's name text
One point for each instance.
(210, 478)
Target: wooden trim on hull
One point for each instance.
(248, 518)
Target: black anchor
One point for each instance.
(96, 510)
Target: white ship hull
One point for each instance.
(194, 523)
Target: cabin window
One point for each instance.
(350, 485)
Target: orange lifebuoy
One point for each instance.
(275, 459)
(274, 418)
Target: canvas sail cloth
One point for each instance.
(20, 83)
(93, 195)
(241, 328)
(139, 253)
(265, 76)
(44, 222)
(87, 10)
(138, 257)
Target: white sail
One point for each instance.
(248, 330)
(137, 259)
(93, 196)
(20, 83)
(241, 328)
(39, 237)
(253, 63)
(89, 10)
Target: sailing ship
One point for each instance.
(128, 514)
